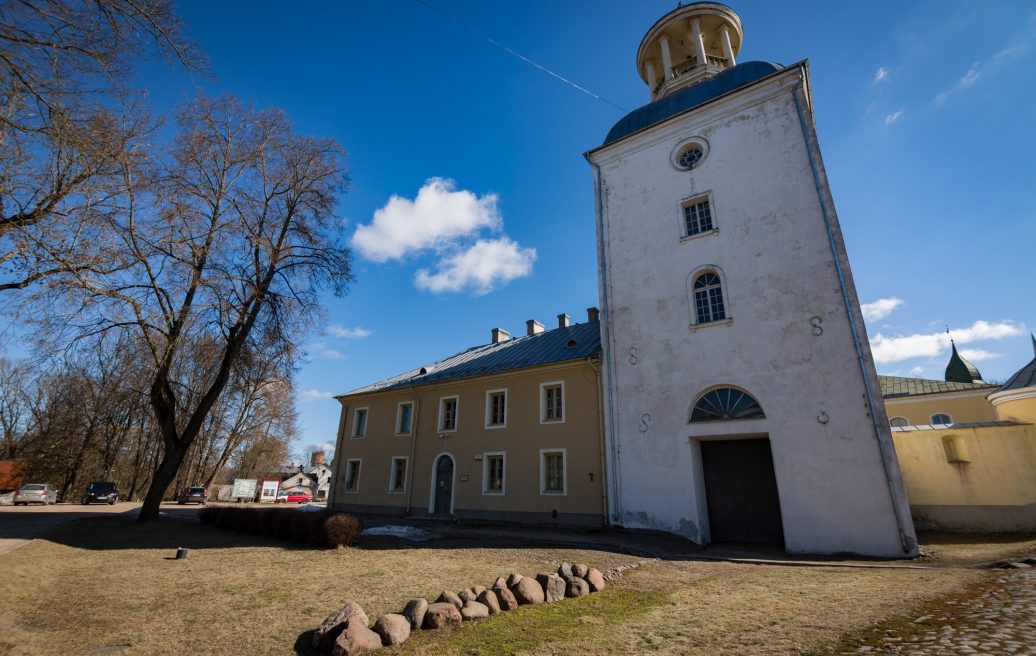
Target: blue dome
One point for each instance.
(694, 95)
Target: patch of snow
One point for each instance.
(404, 532)
(309, 508)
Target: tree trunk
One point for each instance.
(164, 475)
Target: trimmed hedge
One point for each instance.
(321, 528)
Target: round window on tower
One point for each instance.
(690, 153)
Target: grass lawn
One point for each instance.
(108, 581)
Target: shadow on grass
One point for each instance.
(304, 644)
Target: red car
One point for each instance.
(296, 496)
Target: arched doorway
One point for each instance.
(442, 492)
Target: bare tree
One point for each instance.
(231, 248)
(67, 120)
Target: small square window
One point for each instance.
(448, 414)
(360, 422)
(397, 477)
(404, 419)
(352, 475)
(493, 473)
(697, 216)
(496, 408)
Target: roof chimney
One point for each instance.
(533, 327)
(500, 335)
(592, 314)
(564, 321)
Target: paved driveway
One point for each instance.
(20, 525)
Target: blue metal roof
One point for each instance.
(1024, 377)
(694, 95)
(559, 345)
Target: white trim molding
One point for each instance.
(453, 482)
(439, 424)
(486, 455)
(399, 417)
(564, 473)
(392, 475)
(359, 472)
(543, 402)
(355, 433)
(489, 408)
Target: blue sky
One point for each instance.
(925, 112)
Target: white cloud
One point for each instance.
(969, 79)
(880, 308)
(487, 264)
(348, 333)
(916, 371)
(904, 347)
(978, 355)
(322, 349)
(893, 117)
(881, 75)
(315, 395)
(438, 215)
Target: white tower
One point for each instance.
(741, 399)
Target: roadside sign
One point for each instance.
(244, 488)
(269, 490)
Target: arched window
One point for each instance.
(941, 418)
(899, 421)
(708, 298)
(726, 403)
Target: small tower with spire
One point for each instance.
(960, 370)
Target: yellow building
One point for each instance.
(510, 431)
(967, 449)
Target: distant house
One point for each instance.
(316, 478)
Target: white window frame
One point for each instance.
(892, 419)
(442, 409)
(356, 421)
(543, 402)
(489, 408)
(392, 474)
(485, 474)
(359, 472)
(564, 472)
(728, 309)
(399, 417)
(934, 414)
(705, 196)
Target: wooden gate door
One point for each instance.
(741, 491)
(443, 485)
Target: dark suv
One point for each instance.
(193, 494)
(101, 492)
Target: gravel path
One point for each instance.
(1001, 619)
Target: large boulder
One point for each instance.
(527, 591)
(356, 639)
(336, 622)
(595, 579)
(440, 614)
(414, 612)
(553, 586)
(478, 589)
(500, 582)
(467, 595)
(580, 570)
(474, 610)
(447, 597)
(513, 578)
(506, 598)
(577, 588)
(490, 600)
(565, 571)
(393, 629)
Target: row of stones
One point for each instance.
(347, 631)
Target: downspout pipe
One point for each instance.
(600, 431)
(888, 457)
(412, 466)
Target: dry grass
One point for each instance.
(108, 581)
(964, 550)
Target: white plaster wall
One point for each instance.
(774, 253)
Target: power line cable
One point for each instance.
(519, 55)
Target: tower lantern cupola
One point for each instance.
(687, 45)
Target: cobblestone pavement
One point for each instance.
(999, 618)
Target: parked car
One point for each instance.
(194, 494)
(35, 493)
(282, 496)
(297, 496)
(101, 492)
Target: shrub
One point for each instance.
(266, 519)
(315, 526)
(282, 524)
(342, 529)
(207, 514)
(299, 525)
(225, 517)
